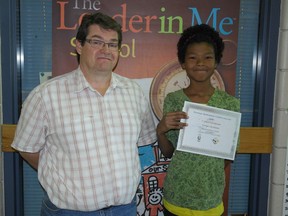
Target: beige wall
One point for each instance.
(280, 142)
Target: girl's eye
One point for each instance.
(209, 57)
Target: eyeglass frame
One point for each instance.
(103, 43)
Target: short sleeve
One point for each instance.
(32, 125)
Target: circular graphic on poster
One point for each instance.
(171, 78)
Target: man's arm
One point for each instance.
(31, 158)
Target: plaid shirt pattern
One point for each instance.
(88, 143)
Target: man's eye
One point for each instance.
(113, 45)
(95, 42)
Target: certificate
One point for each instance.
(211, 131)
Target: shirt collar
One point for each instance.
(82, 83)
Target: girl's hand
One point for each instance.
(171, 121)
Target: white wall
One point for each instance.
(280, 140)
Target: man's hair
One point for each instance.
(104, 21)
(198, 34)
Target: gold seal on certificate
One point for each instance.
(211, 131)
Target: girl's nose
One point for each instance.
(200, 61)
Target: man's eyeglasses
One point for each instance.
(100, 44)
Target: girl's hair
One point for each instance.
(198, 34)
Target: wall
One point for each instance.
(278, 199)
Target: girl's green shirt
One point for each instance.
(195, 181)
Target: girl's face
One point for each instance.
(199, 62)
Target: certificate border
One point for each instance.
(211, 110)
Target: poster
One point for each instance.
(151, 30)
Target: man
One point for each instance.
(81, 130)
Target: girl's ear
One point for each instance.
(183, 66)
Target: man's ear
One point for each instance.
(78, 47)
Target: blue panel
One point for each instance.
(245, 88)
(36, 40)
(33, 192)
(13, 202)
